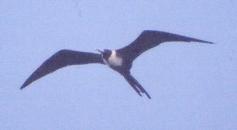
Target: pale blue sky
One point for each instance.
(193, 86)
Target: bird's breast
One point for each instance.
(114, 59)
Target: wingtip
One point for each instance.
(209, 42)
(23, 86)
(206, 42)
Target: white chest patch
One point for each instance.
(115, 60)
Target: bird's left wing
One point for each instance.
(61, 59)
(149, 39)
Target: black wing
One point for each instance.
(61, 59)
(149, 39)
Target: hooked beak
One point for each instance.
(101, 52)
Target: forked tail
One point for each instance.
(136, 85)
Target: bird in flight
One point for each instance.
(120, 60)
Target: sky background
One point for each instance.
(193, 86)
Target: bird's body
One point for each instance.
(119, 60)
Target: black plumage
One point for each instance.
(61, 59)
(149, 39)
(119, 60)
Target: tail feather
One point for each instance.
(136, 85)
(140, 87)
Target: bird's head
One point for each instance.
(106, 53)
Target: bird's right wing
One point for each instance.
(61, 59)
(149, 39)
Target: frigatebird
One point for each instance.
(120, 60)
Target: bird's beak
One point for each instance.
(99, 51)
